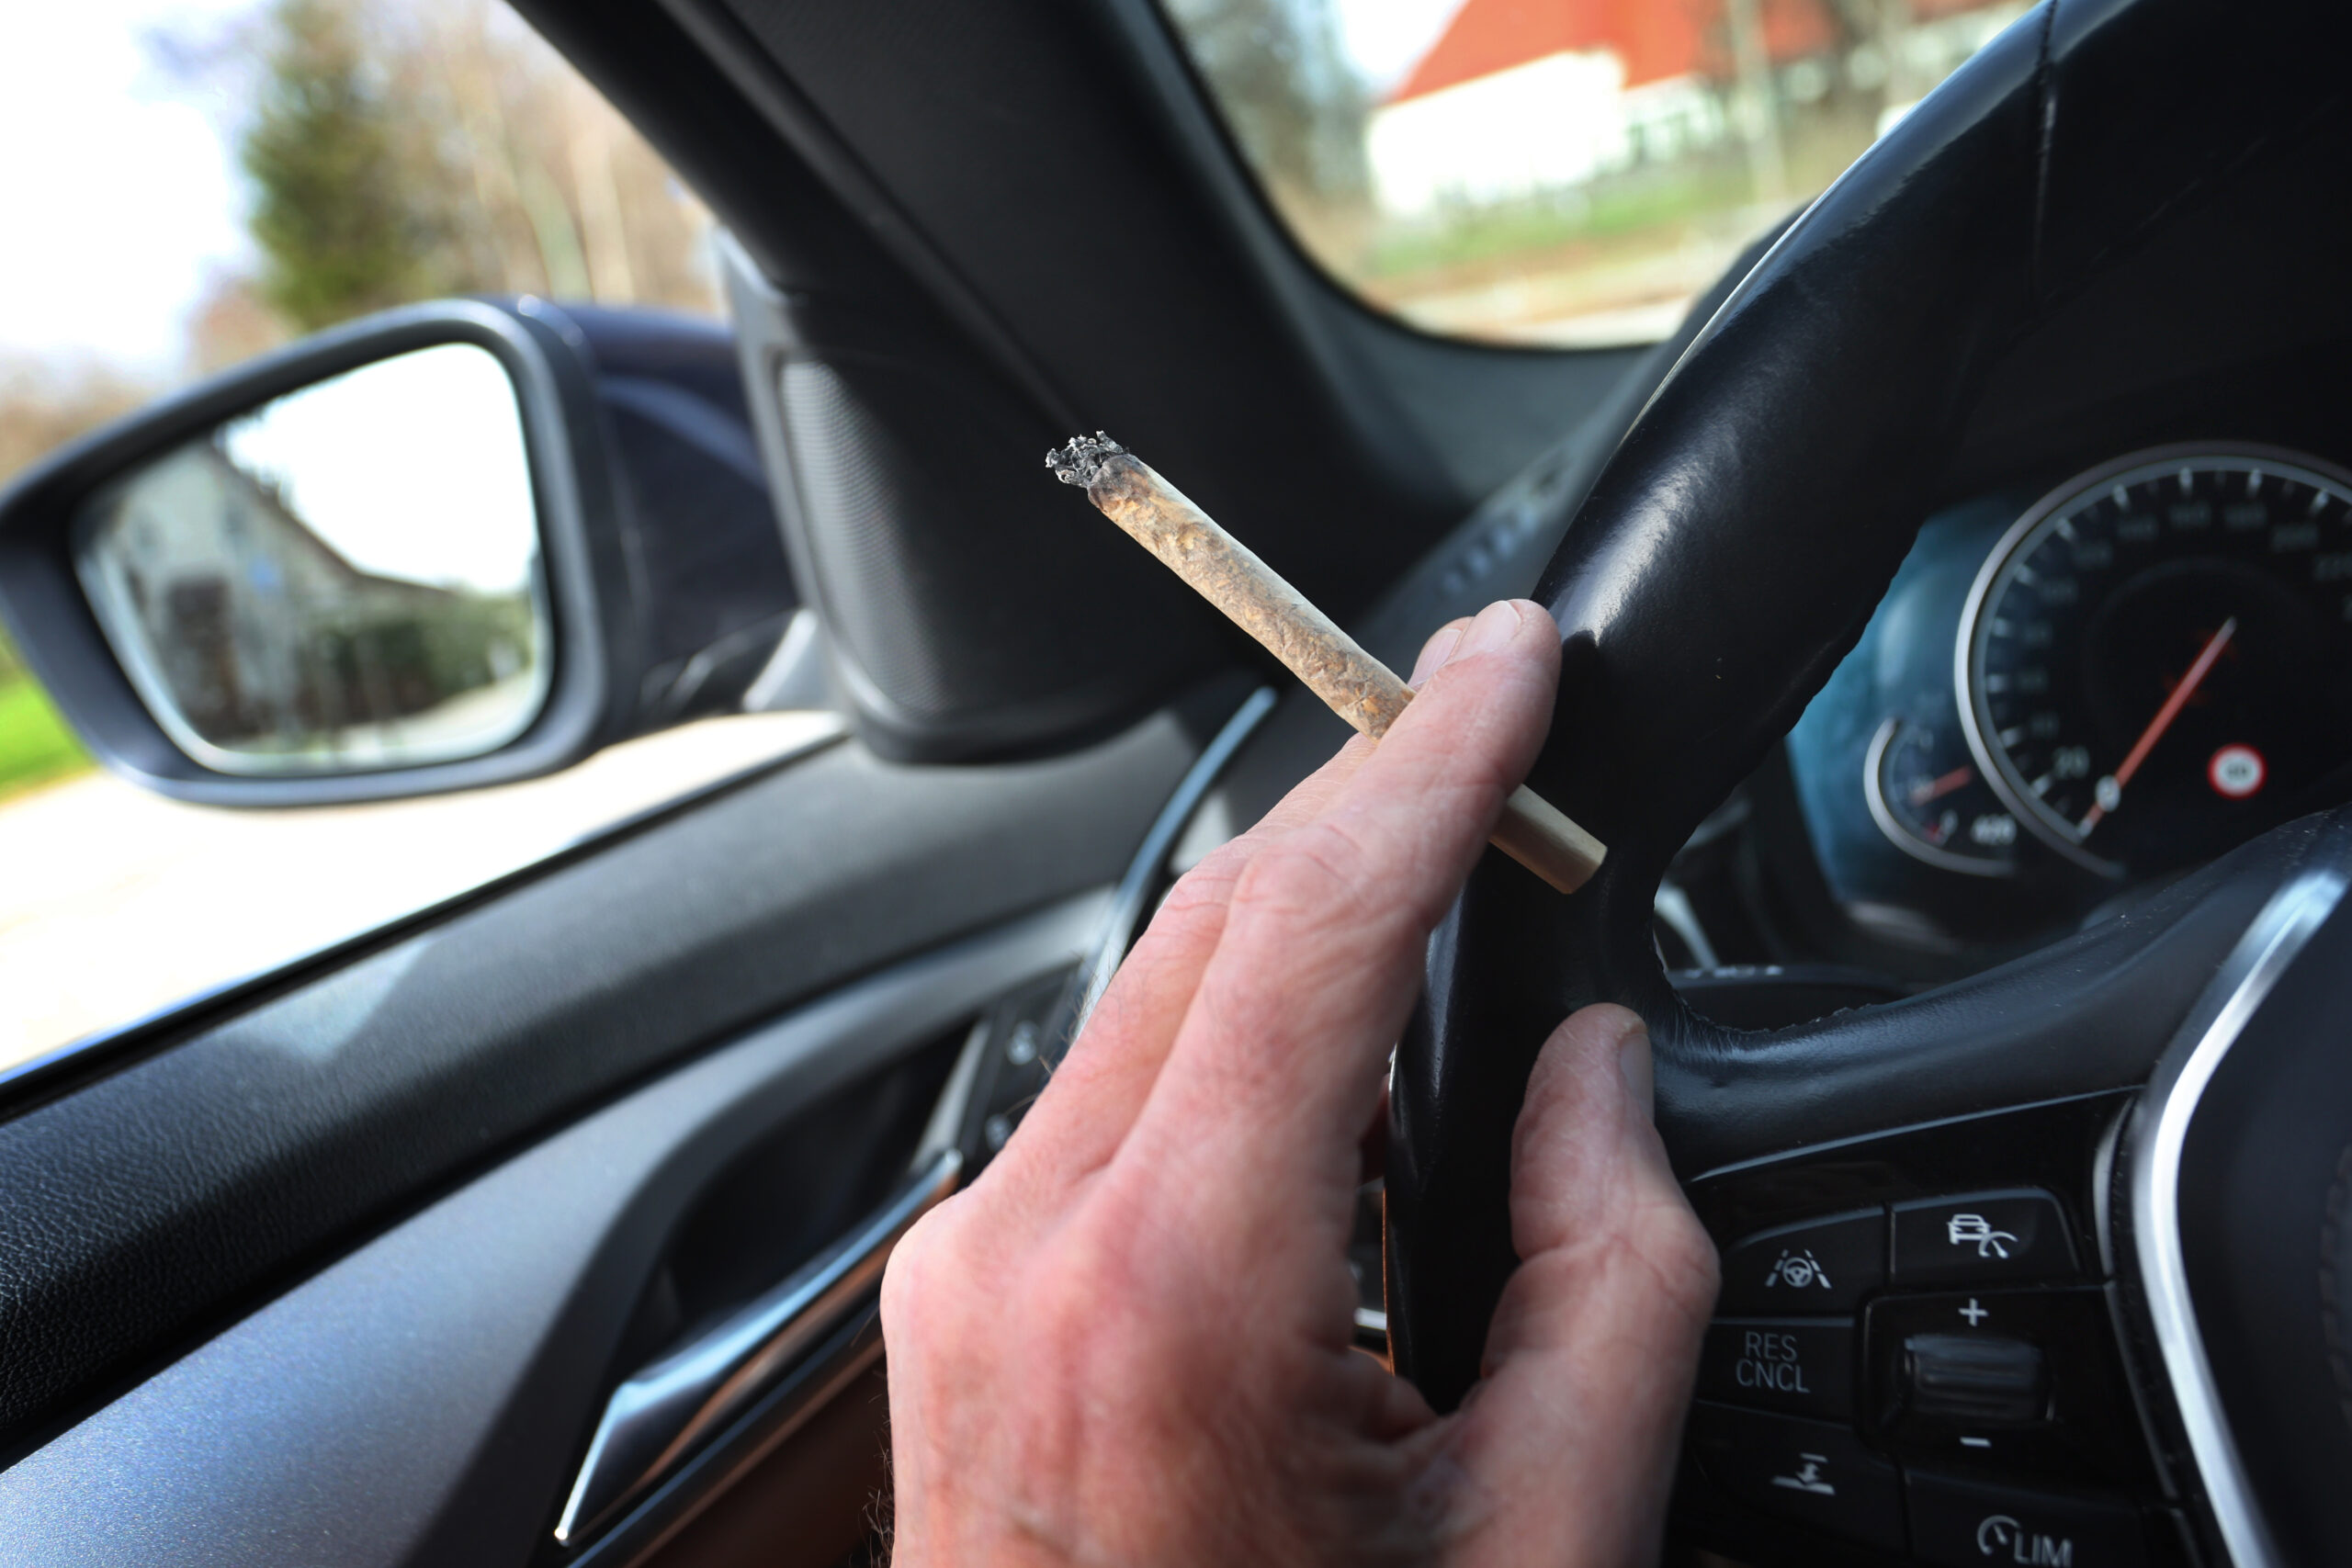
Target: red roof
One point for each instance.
(1656, 39)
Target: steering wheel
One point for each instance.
(2099, 1191)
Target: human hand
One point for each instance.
(1130, 1340)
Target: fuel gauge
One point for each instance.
(1926, 795)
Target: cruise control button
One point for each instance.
(1794, 1366)
(1966, 1524)
(1821, 1265)
(1807, 1470)
(2019, 1381)
(1974, 1380)
(1981, 1235)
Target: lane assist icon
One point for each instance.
(1798, 1270)
(1962, 1229)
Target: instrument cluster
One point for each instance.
(2064, 698)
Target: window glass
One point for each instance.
(189, 183)
(1565, 172)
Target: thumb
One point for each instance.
(1594, 1344)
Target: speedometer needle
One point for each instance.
(1937, 788)
(2158, 725)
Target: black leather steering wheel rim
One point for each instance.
(1729, 556)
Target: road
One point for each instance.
(115, 903)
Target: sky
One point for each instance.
(1386, 38)
(344, 454)
(117, 192)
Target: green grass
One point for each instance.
(35, 745)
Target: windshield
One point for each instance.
(1561, 173)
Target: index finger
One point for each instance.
(1102, 1083)
(1276, 1065)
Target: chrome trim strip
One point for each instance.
(2269, 945)
(658, 1418)
(1127, 911)
(654, 1522)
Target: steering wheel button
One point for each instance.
(1974, 1380)
(2018, 1383)
(1981, 1235)
(1808, 1471)
(1797, 1366)
(1820, 1266)
(1966, 1524)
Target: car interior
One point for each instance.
(1956, 613)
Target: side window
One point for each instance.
(197, 183)
(1559, 173)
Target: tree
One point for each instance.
(399, 151)
(228, 323)
(44, 404)
(548, 189)
(341, 208)
(1294, 105)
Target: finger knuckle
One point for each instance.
(1200, 892)
(1309, 873)
(908, 1278)
(1679, 1252)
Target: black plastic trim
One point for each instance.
(916, 166)
(422, 1399)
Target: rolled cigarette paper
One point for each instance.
(1355, 684)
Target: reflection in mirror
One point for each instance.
(345, 579)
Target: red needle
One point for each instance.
(1935, 789)
(2165, 716)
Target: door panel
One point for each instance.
(226, 1157)
(426, 1398)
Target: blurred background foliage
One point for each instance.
(392, 151)
(1293, 104)
(1558, 172)
(401, 152)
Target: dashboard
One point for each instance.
(2118, 647)
(2075, 691)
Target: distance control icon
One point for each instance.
(1963, 1229)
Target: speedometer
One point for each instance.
(2155, 662)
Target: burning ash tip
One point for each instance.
(1080, 462)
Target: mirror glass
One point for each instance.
(345, 579)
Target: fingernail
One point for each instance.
(1635, 1065)
(1495, 629)
(1438, 650)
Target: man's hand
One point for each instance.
(1129, 1342)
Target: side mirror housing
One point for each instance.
(453, 544)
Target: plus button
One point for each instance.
(1974, 1313)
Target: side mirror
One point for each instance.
(448, 545)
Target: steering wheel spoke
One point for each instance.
(1992, 1253)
